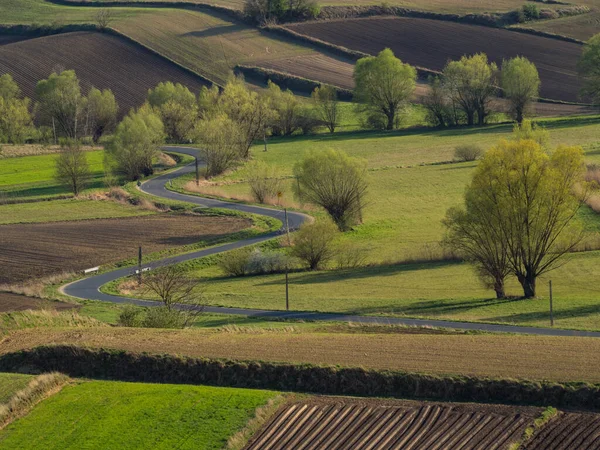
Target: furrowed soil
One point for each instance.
(100, 60)
(568, 431)
(431, 43)
(43, 249)
(13, 302)
(347, 423)
(504, 356)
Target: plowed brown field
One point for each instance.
(100, 60)
(13, 302)
(42, 249)
(431, 43)
(568, 431)
(352, 424)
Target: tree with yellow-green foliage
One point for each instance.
(15, 116)
(521, 85)
(589, 68)
(518, 212)
(384, 84)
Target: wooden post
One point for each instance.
(197, 173)
(140, 266)
(551, 306)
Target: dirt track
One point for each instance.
(326, 423)
(13, 302)
(28, 250)
(100, 60)
(431, 43)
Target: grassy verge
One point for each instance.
(11, 383)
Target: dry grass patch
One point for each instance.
(503, 356)
(15, 151)
(24, 400)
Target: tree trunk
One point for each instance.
(519, 112)
(499, 288)
(390, 122)
(470, 118)
(481, 117)
(528, 283)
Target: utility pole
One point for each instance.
(287, 230)
(140, 266)
(551, 306)
(265, 138)
(197, 173)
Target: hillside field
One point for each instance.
(100, 414)
(133, 69)
(10, 383)
(425, 43)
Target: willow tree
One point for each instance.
(384, 84)
(521, 85)
(519, 209)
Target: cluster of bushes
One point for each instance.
(272, 11)
(153, 317)
(248, 261)
(126, 366)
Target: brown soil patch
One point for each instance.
(9, 39)
(568, 431)
(503, 356)
(431, 43)
(42, 249)
(13, 302)
(100, 60)
(347, 423)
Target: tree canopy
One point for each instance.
(521, 85)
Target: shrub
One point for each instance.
(131, 316)
(469, 152)
(265, 262)
(313, 244)
(264, 180)
(163, 317)
(531, 12)
(235, 262)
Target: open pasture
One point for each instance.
(504, 356)
(99, 414)
(37, 250)
(100, 60)
(431, 43)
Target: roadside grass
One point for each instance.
(11, 383)
(493, 355)
(64, 210)
(102, 414)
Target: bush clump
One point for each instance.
(469, 152)
(247, 261)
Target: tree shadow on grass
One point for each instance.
(580, 311)
(216, 31)
(354, 274)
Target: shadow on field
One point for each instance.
(213, 31)
(353, 274)
(581, 311)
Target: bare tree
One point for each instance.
(104, 18)
(327, 106)
(72, 168)
(179, 294)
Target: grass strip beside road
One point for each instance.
(501, 356)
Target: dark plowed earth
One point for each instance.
(431, 43)
(352, 424)
(569, 431)
(42, 249)
(9, 39)
(100, 60)
(13, 302)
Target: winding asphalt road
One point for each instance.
(89, 288)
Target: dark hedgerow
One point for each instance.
(127, 366)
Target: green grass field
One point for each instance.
(33, 176)
(100, 414)
(10, 383)
(70, 209)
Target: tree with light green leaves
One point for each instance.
(102, 110)
(470, 83)
(15, 116)
(178, 109)
(221, 143)
(589, 68)
(336, 182)
(384, 85)
(521, 85)
(519, 212)
(135, 144)
(327, 106)
(71, 167)
(61, 104)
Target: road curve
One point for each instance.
(89, 288)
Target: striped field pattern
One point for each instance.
(569, 431)
(334, 425)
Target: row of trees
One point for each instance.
(464, 91)
(518, 211)
(60, 109)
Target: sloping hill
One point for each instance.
(100, 60)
